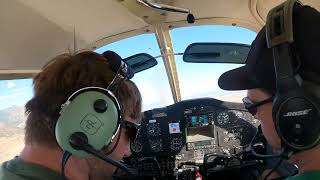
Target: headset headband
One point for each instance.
(279, 37)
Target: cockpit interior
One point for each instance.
(191, 129)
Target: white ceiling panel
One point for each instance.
(33, 31)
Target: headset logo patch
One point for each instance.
(90, 124)
(298, 113)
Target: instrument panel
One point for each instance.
(188, 130)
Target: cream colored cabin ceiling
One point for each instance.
(260, 8)
(92, 19)
(33, 31)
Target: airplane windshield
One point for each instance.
(195, 80)
(152, 83)
(201, 79)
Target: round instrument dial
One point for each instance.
(223, 118)
(176, 144)
(154, 129)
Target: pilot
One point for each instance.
(261, 77)
(62, 76)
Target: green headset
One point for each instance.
(91, 114)
(296, 111)
(92, 111)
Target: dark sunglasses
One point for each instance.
(131, 128)
(252, 107)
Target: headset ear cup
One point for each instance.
(277, 100)
(87, 114)
(296, 120)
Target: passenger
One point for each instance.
(62, 76)
(258, 76)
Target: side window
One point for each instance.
(13, 96)
(152, 83)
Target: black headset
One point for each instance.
(296, 108)
(90, 118)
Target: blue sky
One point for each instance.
(196, 80)
(15, 92)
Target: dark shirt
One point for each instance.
(17, 169)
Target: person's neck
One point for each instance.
(50, 157)
(307, 160)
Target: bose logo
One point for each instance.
(298, 113)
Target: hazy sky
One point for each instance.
(196, 80)
(15, 92)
